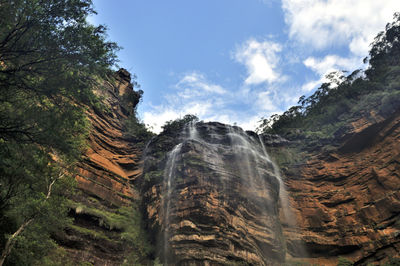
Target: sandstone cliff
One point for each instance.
(218, 205)
(103, 206)
(347, 201)
(213, 198)
(210, 193)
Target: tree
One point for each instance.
(50, 60)
(385, 50)
(174, 126)
(341, 97)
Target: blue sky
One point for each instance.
(235, 61)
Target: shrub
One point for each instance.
(178, 124)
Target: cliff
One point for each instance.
(347, 201)
(213, 194)
(213, 198)
(104, 206)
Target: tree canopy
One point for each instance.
(347, 95)
(50, 60)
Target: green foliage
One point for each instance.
(393, 262)
(177, 125)
(344, 262)
(134, 128)
(157, 262)
(335, 103)
(137, 130)
(127, 220)
(50, 59)
(50, 216)
(157, 175)
(133, 233)
(385, 51)
(390, 102)
(59, 257)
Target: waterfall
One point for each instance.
(233, 167)
(248, 153)
(168, 178)
(289, 217)
(193, 133)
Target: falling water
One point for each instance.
(169, 171)
(288, 215)
(248, 153)
(283, 195)
(193, 133)
(251, 164)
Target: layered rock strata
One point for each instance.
(110, 165)
(212, 198)
(347, 201)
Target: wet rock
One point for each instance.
(222, 206)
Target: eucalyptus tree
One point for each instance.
(50, 60)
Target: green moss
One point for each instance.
(195, 162)
(90, 232)
(344, 262)
(126, 219)
(156, 175)
(286, 157)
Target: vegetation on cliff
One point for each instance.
(50, 60)
(325, 113)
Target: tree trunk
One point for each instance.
(11, 241)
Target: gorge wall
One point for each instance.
(210, 194)
(213, 198)
(225, 206)
(101, 208)
(347, 201)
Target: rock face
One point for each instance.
(211, 195)
(104, 178)
(347, 202)
(112, 159)
(212, 198)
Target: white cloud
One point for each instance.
(195, 82)
(331, 63)
(157, 117)
(249, 123)
(324, 23)
(194, 95)
(267, 102)
(261, 61)
(326, 65)
(311, 85)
